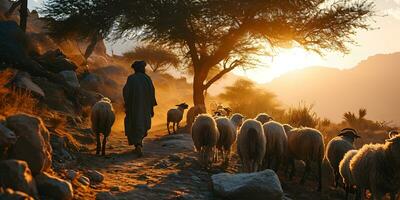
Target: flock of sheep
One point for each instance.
(266, 144)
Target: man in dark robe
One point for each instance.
(139, 98)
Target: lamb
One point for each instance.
(227, 136)
(263, 118)
(175, 116)
(276, 144)
(306, 144)
(287, 128)
(375, 167)
(192, 113)
(251, 145)
(205, 136)
(345, 173)
(237, 120)
(337, 147)
(102, 118)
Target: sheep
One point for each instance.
(276, 144)
(337, 147)
(7, 139)
(237, 120)
(205, 136)
(375, 167)
(192, 113)
(306, 144)
(102, 118)
(393, 133)
(287, 128)
(175, 116)
(345, 173)
(251, 145)
(263, 118)
(227, 136)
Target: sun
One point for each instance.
(284, 61)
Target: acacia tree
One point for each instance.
(222, 33)
(158, 58)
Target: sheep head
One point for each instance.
(392, 147)
(393, 133)
(349, 133)
(183, 106)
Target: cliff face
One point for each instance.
(73, 48)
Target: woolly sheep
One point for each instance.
(345, 173)
(237, 120)
(102, 118)
(205, 137)
(227, 136)
(306, 144)
(175, 116)
(192, 113)
(263, 118)
(376, 167)
(337, 147)
(276, 145)
(251, 145)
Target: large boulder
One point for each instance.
(10, 194)
(71, 78)
(23, 81)
(55, 61)
(259, 185)
(15, 174)
(33, 144)
(53, 187)
(7, 137)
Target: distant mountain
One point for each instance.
(373, 84)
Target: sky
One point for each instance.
(385, 38)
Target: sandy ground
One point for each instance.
(169, 170)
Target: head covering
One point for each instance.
(139, 66)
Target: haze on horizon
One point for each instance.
(377, 41)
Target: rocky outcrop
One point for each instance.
(15, 174)
(23, 80)
(33, 144)
(256, 186)
(53, 187)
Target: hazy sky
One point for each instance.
(384, 39)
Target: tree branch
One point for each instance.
(226, 70)
(12, 8)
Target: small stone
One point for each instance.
(71, 174)
(196, 178)
(84, 180)
(95, 176)
(114, 188)
(161, 165)
(143, 177)
(174, 158)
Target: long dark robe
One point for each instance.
(139, 98)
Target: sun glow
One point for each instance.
(284, 61)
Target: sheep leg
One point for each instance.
(337, 177)
(177, 126)
(320, 176)
(293, 172)
(277, 163)
(98, 145)
(173, 127)
(169, 132)
(103, 147)
(306, 171)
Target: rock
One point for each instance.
(23, 80)
(53, 187)
(71, 174)
(95, 176)
(196, 179)
(259, 185)
(7, 137)
(55, 61)
(105, 196)
(178, 141)
(84, 180)
(114, 188)
(9, 194)
(33, 144)
(15, 174)
(161, 165)
(71, 78)
(174, 158)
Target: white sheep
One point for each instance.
(237, 120)
(263, 118)
(277, 142)
(192, 113)
(306, 144)
(251, 145)
(175, 116)
(227, 136)
(102, 118)
(345, 173)
(337, 147)
(376, 167)
(205, 137)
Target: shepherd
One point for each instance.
(139, 98)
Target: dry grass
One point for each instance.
(14, 100)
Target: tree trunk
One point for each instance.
(23, 13)
(198, 86)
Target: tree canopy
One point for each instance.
(225, 33)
